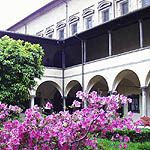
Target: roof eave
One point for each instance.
(35, 14)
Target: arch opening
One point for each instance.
(98, 84)
(73, 87)
(148, 93)
(48, 92)
(128, 84)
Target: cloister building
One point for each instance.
(91, 45)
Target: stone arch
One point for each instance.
(127, 75)
(49, 91)
(127, 83)
(52, 82)
(70, 85)
(71, 89)
(147, 81)
(98, 83)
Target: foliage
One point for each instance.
(106, 144)
(66, 131)
(143, 136)
(8, 113)
(144, 146)
(20, 64)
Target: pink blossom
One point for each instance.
(126, 139)
(63, 129)
(129, 100)
(15, 108)
(130, 114)
(117, 135)
(120, 146)
(76, 103)
(125, 146)
(48, 106)
(79, 94)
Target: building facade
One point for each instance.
(99, 45)
(61, 19)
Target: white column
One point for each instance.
(141, 33)
(110, 43)
(144, 97)
(83, 64)
(85, 104)
(32, 100)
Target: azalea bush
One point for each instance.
(67, 131)
(8, 113)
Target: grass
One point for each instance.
(105, 144)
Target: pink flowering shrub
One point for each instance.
(8, 112)
(67, 131)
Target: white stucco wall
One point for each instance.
(46, 19)
(21, 30)
(53, 75)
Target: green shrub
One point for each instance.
(144, 136)
(144, 146)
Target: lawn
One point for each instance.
(113, 145)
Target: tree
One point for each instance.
(20, 64)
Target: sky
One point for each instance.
(12, 11)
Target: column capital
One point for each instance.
(109, 93)
(64, 97)
(32, 91)
(144, 87)
(112, 92)
(109, 31)
(33, 96)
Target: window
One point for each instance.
(73, 28)
(73, 22)
(50, 35)
(61, 29)
(145, 3)
(49, 32)
(40, 33)
(104, 8)
(61, 34)
(88, 22)
(88, 19)
(124, 7)
(105, 15)
(134, 106)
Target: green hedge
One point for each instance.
(144, 136)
